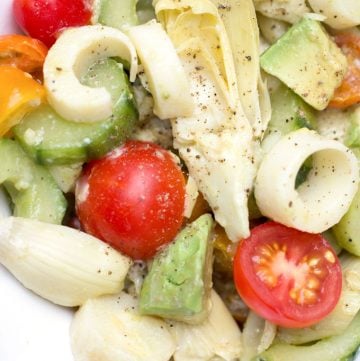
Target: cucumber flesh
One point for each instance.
(330, 349)
(145, 11)
(32, 189)
(347, 231)
(66, 176)
(50, 139)
(118, 13)
(289, 112)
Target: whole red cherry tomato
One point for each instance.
(290, 278)
(42, 19)
(132, 199)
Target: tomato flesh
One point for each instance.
(289, 277)
(43, 19)
(25, 53)
(133, 198)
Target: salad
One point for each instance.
(184, 175)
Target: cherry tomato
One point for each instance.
(290, 278)
(132, 199)
(43, 19)
(349, 91)
(19, 93)
(25, 53)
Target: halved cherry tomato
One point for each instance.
(25, 53)
(349, 91)
(290, 278)
(43, 19)
(133, 198)
(19, 92)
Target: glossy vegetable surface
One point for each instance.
(349, 91)
(25, 53)
(19, 93)
(43, 19)
(290, 278)
(133, 198)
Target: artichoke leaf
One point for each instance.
(216, 142)
(239, 18)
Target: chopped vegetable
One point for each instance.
(329, 349)
(19, 94)
(179, 280)
(290, 278)
(326, 194)
(50, 139)
(43, 19)
(83, 46)
(307, 61)
(25, 53)
(32, 189)
(340, 318)
(349, 91)
(133, 198)
(168, 82)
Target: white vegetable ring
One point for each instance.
(323, 198)
(168, 82)
(70, 57)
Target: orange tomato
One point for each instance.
(19, 93)
(349, 91)
(224, 251)
(25, 53)
(201, 207)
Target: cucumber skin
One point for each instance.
(65, 142)
(347, 231)
(331, 349)
(118, 13)
(111, 134)
(41, 199)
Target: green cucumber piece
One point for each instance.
(352, 138)
(179, 280)
(145, 11)
(118, 13)
(347, 231)
(289, 112)
(330, 349)
(65, 176)
(50, 139)
(307, 61)
(32, 189)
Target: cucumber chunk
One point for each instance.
(50, 139)
(118, 13)
(66, 176)
(347, 231)
(289, 113)
(330, 349)
(179, 280)
(32, 189)
(145, 11)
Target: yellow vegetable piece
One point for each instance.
(19, 93)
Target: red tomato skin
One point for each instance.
(135, 199)
(275, 305)
(43, 19)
